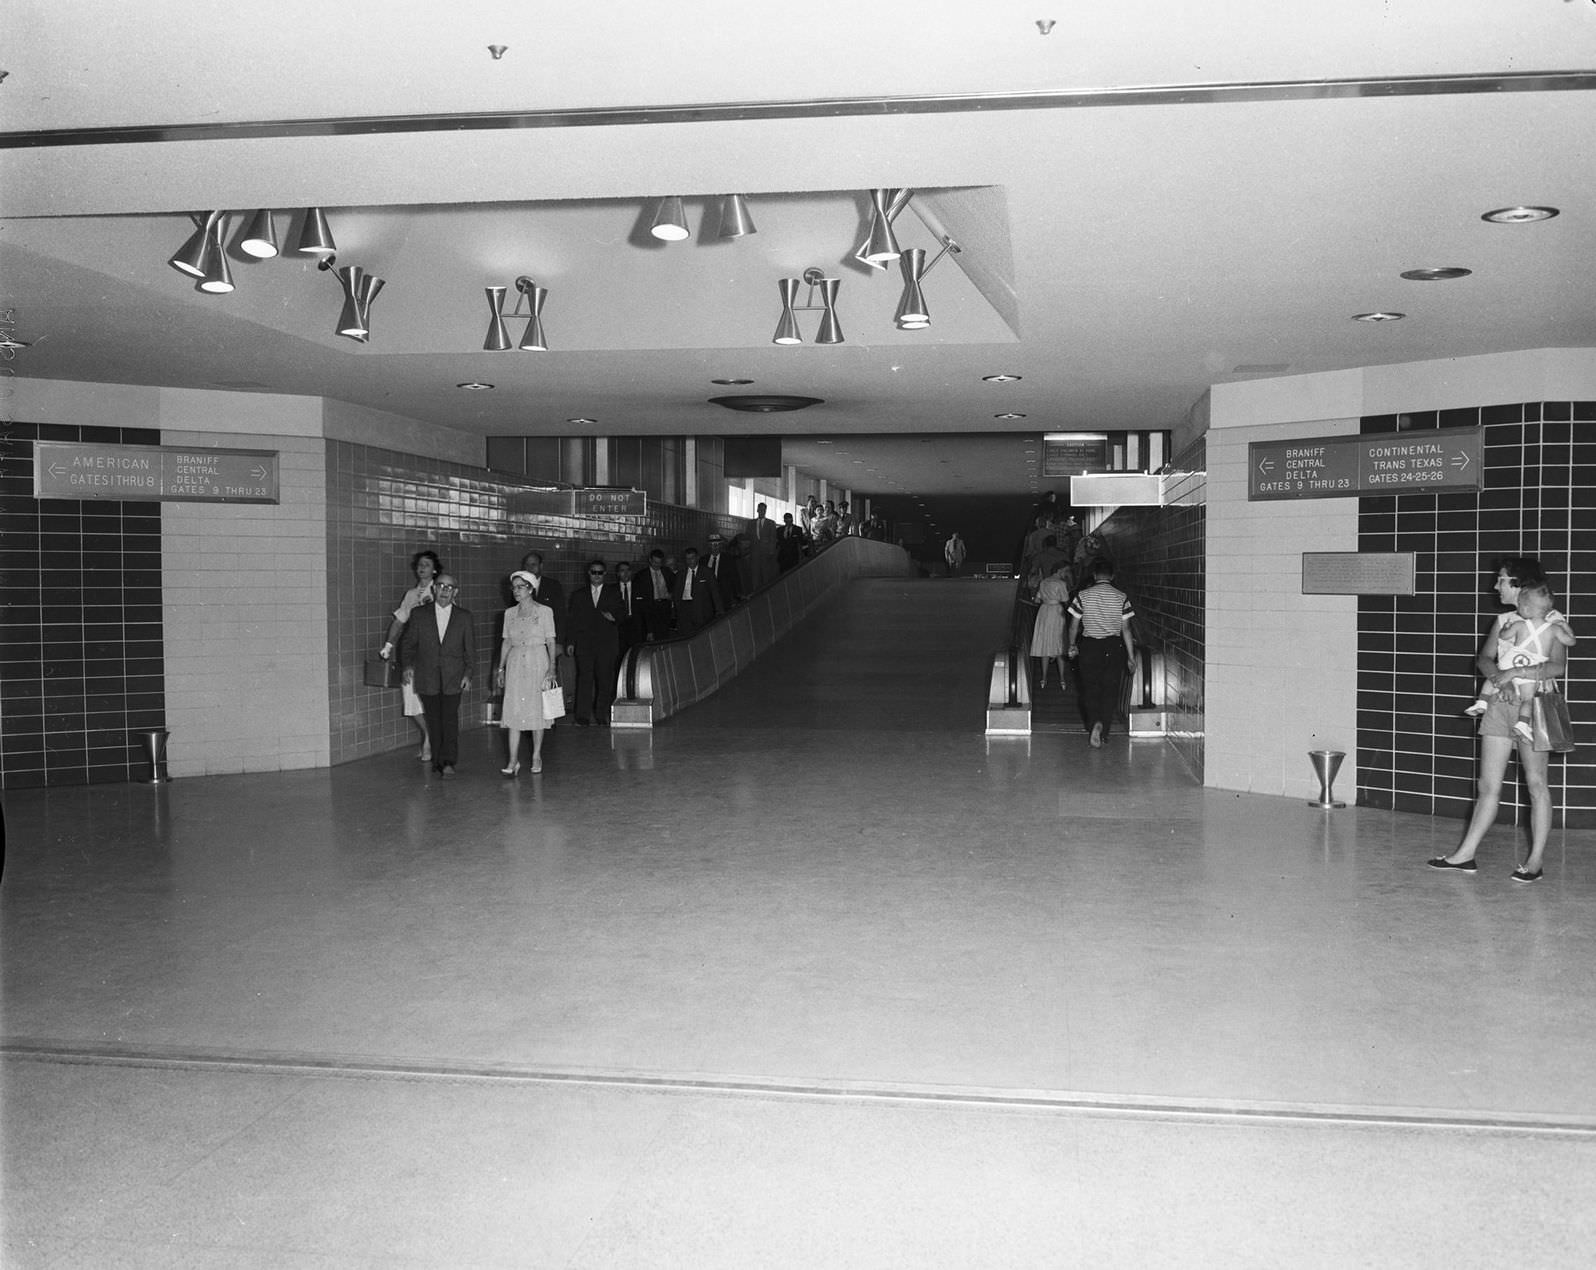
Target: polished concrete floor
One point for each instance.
(814, 975)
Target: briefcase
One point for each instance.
(382, 673)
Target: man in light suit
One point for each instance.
(438, 651)
(697, 598)
(593, 627)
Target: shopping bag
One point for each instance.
(1554, 730)
(553, 704)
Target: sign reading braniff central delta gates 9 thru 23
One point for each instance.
(153, 473)
(1391, 463)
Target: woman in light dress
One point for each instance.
(426, 566)
(1047, 637)
(526, 668)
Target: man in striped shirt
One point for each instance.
(1100, 637)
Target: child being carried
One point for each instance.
(1522, 642)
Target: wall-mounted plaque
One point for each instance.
(1357, 573)
(153, 473)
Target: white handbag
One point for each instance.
(553, 704)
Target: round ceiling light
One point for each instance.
(1443, 273)
(1519, 215)
(1378, 317)
(581, 419)
(731, 382)
(764, 404)
(1001, 379)
(1009, 415)
(475, 386)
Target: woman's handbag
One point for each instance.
(382, 672)
(1554, 730)
(553, 703)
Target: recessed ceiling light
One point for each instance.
(1443, 273)
(731, 381)
(1009, 415)
(1001, 379)
(475, 386)
(1519, 215)
(823, 443)
(581, 419)
(1378, 317)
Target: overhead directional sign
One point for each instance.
(153, 473)
(1339, 467)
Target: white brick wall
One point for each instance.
(1281, 673)
(245, 611)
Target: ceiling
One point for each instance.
(1149, 199)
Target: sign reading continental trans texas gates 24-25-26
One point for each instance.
(153, 473)
(1392, 463)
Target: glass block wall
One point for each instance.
(1416, 749)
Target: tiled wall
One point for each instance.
(383, 506)
(1416, 751)
(1160, 562)
(245, 607)
(80, 622)
(1281, 676)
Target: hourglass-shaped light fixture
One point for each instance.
(830, 331)
(530, 294)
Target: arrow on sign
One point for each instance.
(1266, 466)
(56, 469)
(1460, 461)
(258, 472)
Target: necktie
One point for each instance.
(626, 591)
(687, 585)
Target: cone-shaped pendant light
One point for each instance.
(670, 220)
(315, 239)
(787, 328)
(735, 222)
(498, 339)
(259, 238)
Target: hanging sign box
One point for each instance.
(153, 473)
(1390, 463)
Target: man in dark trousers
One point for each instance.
(723, 568)
(697, 599)
(546, 591)
(631, 623)
(438, 651)
(654, 585)
(593, 627)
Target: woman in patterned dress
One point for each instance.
(526, 668)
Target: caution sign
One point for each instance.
(1340, 467)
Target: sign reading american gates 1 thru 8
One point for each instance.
(153, 473)
(1391, 463)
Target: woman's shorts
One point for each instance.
(1501, 714)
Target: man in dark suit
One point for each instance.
(723, 568)
(697, 599)
(546, 591)
(593, 628)
(438, 651)
(654, 587)
(631, 623)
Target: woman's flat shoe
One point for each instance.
(1524, 875)
(1441, 862)
(513, 769)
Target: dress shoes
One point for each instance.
(448, 771)
(1463, 866)
(1524, 875)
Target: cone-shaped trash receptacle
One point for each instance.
(1326, 763)
(152, 742)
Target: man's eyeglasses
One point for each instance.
(595, 573)
(447, 586)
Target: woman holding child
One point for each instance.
(1521, 582)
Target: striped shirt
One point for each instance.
(1102, 610)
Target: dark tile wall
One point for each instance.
(1159, 558)
(1416, 750)
(81, 657)
(383, 506)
